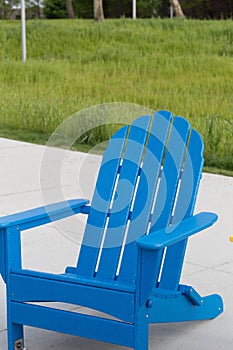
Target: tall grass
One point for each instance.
(182, 66)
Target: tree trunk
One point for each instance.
(70, 9)
(98, 10)
(177, 8)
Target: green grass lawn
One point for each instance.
(185, 66)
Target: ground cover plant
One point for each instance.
(184, 66)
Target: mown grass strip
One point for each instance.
(183, 66)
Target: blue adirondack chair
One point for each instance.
(133, 248)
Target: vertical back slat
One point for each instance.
(100, 204)
(146, 191)
(170, 174)
(120, 211)
(2, 255)
(184, 208)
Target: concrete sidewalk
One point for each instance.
(209, 259)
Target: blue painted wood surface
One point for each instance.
(103, 193)
(73, 323)
(119, 216)
(149, 178)
(141, 212)
(186, 198)
(2, 255)
(175, 233)
(43, 215)
(40, 287)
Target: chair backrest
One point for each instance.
(148, 178)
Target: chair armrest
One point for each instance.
(177, 232)
(43, 215)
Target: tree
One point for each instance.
(98, 10)
(177, 8)
(70, 10)
(146, 8)
(34, 8)
(6, 8)
(55, 8)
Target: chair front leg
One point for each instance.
(12, 262)
(15, 335)
(142, 329)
